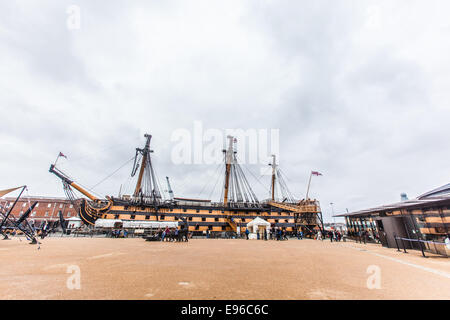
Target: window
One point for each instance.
(147, 217)
(163, 217)
(210, 211)
(216, 219)
(116, 216)
(197, 227)
(176, 218)
(46, 213)
(243, 219)
(276, 220)
(287, 221)
(203, 219)
(184, 210)
(224, 228)
(71, 206)
(37, 205)
(209, 227)
(68, 214)
(190, 218)
(60, 206)
(170, 209)
(33, 214)
(197, 210)
(132, 217)
(49, 205)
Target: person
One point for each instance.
(166, 234)
(265, 234)
(301, 235)
(247, 232)
(447, 242)
(319, 235)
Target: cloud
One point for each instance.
(359, 91)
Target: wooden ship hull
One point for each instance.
(230, 215)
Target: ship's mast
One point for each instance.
(145, 154)
(274, 171)
(169, 189)
(228, 161)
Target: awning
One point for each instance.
(107, 223)
(134, 224)
(129, 224)
(258, 222)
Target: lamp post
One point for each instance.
(332, 214)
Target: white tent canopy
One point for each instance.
(74, 219)
(255, 225)
(134, 224)
(149, 224)
(258, 222)
(108, 223)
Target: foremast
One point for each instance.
(147, 188)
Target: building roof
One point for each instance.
(438, 196)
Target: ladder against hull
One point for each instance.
(232, 223)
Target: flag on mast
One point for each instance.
(316, 173)
(62, 155)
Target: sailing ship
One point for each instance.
(238, 204)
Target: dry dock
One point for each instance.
(216, 269)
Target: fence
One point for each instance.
(422, 245)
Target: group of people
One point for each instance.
(119, 233)
(173, 234)
(275, 233)
(333, 235)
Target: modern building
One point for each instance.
(424, 222)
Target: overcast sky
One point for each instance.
(359, 91)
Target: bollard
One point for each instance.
(396, 242)
(421, 248)
(404, 248)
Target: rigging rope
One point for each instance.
(109, 176)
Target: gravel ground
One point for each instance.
(216, 269)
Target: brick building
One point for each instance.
(47, 208)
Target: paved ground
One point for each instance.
(216, 269)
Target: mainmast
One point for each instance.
(274, 173)
(236, 188)
(228, 160)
